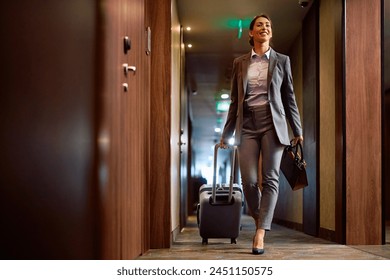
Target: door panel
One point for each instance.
(132, 127)
(122, 131)
(310, 113)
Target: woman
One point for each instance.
(262, 101)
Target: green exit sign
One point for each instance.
(222, 105)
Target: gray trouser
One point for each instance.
(258, 135)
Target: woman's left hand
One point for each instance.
(297, 139)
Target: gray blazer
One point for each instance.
(280, 95)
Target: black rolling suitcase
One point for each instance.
(220, 207)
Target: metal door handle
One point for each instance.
(132, 68)
(128, 68)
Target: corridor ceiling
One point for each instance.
(219, 33)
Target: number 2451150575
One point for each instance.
(241, 270)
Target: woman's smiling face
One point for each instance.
(262, 30)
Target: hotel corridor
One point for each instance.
(109, 110)
(280, 244)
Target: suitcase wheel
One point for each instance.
(205, 241)
(233, 241)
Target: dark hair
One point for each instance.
(252, 24)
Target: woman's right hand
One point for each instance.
(222, 144)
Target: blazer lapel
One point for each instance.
(244, 71)
(272, 63)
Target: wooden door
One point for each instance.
(123, 145)
(133, 121)
(310, 113)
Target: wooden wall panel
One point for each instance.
(363, 122)
(145, 103)
(386, 113)
(386, 152)
(339, 134)
(330, 126)
(109, 136)
(160, 216)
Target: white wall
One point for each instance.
(175, 118)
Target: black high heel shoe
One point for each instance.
(257, 251)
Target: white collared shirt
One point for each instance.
(257, 91)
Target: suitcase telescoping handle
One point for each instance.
(233, 160)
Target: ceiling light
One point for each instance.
(188, 28)
(224, 95)
(189, 45)
(217, 130)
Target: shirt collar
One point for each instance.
(266, 53)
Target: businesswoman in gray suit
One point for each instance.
(262, 102)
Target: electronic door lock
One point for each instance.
(125, 87)
(126, 44)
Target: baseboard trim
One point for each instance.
(323, 233)
(289, 224)
(327, 234)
